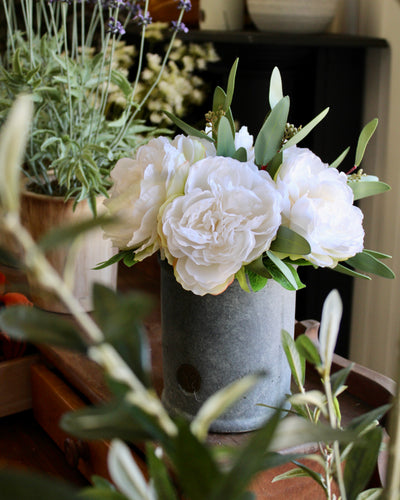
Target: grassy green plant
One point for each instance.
(63, 54)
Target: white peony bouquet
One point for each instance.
(219, 205)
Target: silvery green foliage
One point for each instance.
(67, 65)
(351, 466)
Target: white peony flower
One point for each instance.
(245, 140)
(318, 204)
(228, 216)
(143, 184)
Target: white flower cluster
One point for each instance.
(209, 215)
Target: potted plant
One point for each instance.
(179, 459)
(66, 55)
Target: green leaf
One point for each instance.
(119, 317)
(314, 398)
(275, 164)
(361, 422)
(241, 277)
(97, 493)
(248, 462)
(198, 473)
(275, 88)
(371, 494)
(340, 158)
(41, 327)
(308, 349)
(290, 474)
(231, 86)
(329, 328)
(159, 475)
(256, 281)
(362, 189)
(240, 155)
(366, 262)
(67, 234)
(302, 471)
(365, 135)
(377, 255)
(116, 419)
(361, 461)
(188, 129)
(340, 268)
(296, 361)
(219, 99)
(303, 132)
(338, 379)
(226, 140)
(289, 242)
(216, 404)
(285, 271)
(269, 139)
(115, 258)
(24, 485)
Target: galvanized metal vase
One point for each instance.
(210, 341)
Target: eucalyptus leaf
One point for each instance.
(340, 268)
(290, 242)
(231, 85)
(308, 349)
(304, 131)
(275, 164)
(295, 360)
(362, 189)
(226, 140)
(188, 129)
(361, 461)
(329, 328)
(41, 327)
(284, 269)
(365, 135)
(377, 255)
(340, 159)
(256, 281)
(275, 88)
(24, 485)
(366, 262)
(240, 155)
(114, 259)
(269, 139)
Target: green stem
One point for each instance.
(67, 61)
(149, 92)
(392, 489)
(334, 425)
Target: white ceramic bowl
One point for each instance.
(292, 16)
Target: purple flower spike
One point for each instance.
(185, 5)
(115, 27)
(143, 20)
(175, 26)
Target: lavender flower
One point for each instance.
(185, 5)
(143, 20)
(176, 26)
(115, 27)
